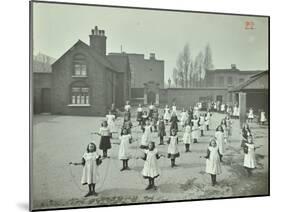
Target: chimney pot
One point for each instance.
(152, 56)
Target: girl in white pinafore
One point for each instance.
(173, 151)
(263, 118)
(251, 115)
(124, 154)
(167, 115)
(213, 165)
(151, 169)
(219, 135)
(195, 129)
(184, 117)
(90, 162)
(207, 120)
(146, 135)
(174, 108)
(110, 118)
(196, 111)
(202, 123)
(236, 112)
(249, 156)
(187, 137)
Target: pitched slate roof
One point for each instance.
(99, 57)
(248, 82)
(226, 71)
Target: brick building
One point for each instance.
(143, 72)
(84, 80)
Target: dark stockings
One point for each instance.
(173, 163)
(161, 140)
(105, 153)
(125, 165)
(214, 180)
(249, 171)
(187, 146)
(151, 183)
(91, 190)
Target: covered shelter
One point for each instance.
(253, 93)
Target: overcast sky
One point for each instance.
(57, 27)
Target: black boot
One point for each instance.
(152, 184)
(89, 192)
(161, 141)
(172, 163)
(94, 193)
(104, 153)
(202, 134)
(213, 179)
(149, 185)
(124, 165)
(208, 128)
(187, 146)
(195, 140)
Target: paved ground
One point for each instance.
(61, 139)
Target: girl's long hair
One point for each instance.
(211, 140)
(95, 147)
(219, 128)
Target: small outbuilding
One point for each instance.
(253, 93)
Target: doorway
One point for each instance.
(46, 100)
(151, 97)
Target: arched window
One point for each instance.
(79, 66)
(80, 93)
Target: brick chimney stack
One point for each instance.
(98, 40)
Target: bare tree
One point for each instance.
(191, 75)
(199, 69)
(175, 77)
(186, 59)
(208, 61)
(183, 64)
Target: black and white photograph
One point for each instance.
(139, 105)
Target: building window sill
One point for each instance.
(79, 105)
(78, 76)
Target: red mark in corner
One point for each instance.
(249, 25)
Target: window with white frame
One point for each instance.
(80, 95)
(79, 66)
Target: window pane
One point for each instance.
(77, 69)
(83, 69)
(73, 99)
(82, 100)
(87, 100)
(78, 100)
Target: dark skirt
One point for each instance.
(173, 156)
(161, 132)
(139, 116)
(174, 125)
(150, 112)
(105, 143)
